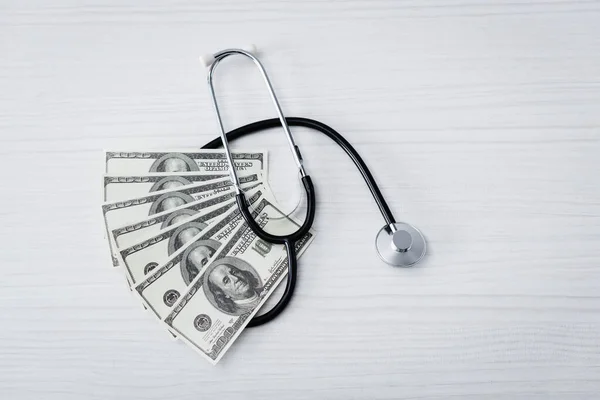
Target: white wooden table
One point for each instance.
(480, 120)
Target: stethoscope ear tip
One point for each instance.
(250, 48)
(400, 244)
(208, 59)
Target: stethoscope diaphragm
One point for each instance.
(400, 244)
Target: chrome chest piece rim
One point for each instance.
(400, 244)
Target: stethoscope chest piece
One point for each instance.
(400, 244)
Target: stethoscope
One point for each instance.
(397, 243)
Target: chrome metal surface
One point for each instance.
(400, 244)
(221, 55)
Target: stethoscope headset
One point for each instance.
(398, 244)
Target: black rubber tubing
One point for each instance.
(327, 131)
(290, 240)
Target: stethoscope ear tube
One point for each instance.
(406, 247)
(289, 241)
(328, 131)
(290, 286)
(405, 257)
(282, 239)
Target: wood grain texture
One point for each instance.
(480, 120)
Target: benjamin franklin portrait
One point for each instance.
(196, 257)
(232, 285)
(174, 162)
(169, 182)
(178, 216)
(170, 200)
(184, 234)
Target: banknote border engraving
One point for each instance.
(208, 155)
(192, 178)
(152, 197)
(215, 213)
(216, 187)
(127, 179)
(204, 203)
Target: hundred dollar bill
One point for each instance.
(227, 293)
(177, 271)
(141, 162)
(121, 187)
(139, 259)
(128, 235)
(161, 288)
(120, 213)
(144, 256)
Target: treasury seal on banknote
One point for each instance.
(202, 322)
(149, 267)
(170, 297)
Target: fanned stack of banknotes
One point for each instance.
(174, 229)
